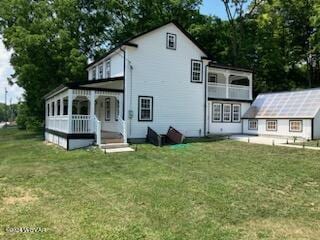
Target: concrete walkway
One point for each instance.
(273, 141)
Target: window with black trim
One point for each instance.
(116, 110)
(58, 107)
(48, 109)
(216, 112)
(252, 124)
(145, 108)
(108, 109)
(271, 125)
(196, 71)
(295, 125)
(212, 77)
(94, 73)
(108, 69)
(52, 109)
(236, 113)
(101, 71)
(171, 41)
(227, 112)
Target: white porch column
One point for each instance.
(250, 86)
(92, 105)
(70, 100)
(227, 75)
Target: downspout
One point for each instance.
(205, 101)
(124, 84)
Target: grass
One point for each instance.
(216, 190)
(310, 143)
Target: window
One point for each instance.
(117, 109)
(101, 71)
(227, 112)
(94, 72)
(108, 69)
(52, 109)
(58, 107)
(48, 109)
(212, 77)
(171, 41)
(196, 71)
(253, 125)
(271, 125)
(236, 112)
(65, 107)
(108, 109)
(295, 126)
(216, 112)
(145, 108)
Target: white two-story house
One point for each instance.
(158, 79)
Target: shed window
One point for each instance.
(271, 125)
(227, 112)
(108, 109)
(145, 108)
(253, 125)
(236, 112)
(296, 126)
(108, 69)
(101, 71)
(94, 74)
(171, 41)
(196, 71)
(216, 112)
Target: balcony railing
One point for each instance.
(238, 92)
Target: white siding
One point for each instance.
(62, 142)
(316, 126)
(117, 64)
(225, 127)
(165, 75)
(283, 128)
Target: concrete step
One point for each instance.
(111, 140)
(114, 145)
(119, 150)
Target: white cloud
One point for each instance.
(14, 92)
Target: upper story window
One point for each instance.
(94, 74)
(100, 71)
(196, 71)
(171, 41)
(108, 69)
(145, 108)
(212, 77)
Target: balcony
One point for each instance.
(231, 91)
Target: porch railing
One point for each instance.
(219, 90)
(122, 128)
(58, 123)
(81, 124)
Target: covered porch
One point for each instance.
(87, 113)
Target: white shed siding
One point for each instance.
(224, 127)
(316, 126)
(117, 63)
(166, 76)
(283, 128)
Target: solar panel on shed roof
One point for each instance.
(296, 104)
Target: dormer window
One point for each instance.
(108, 69)
(94, 72)
(100, 71)
(171, 41)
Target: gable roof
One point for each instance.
(128, 41)
(295, 104)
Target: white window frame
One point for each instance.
(293, 122)
(233, 113)
(94, 73)
(196, 71)
(108, 109)
(140, 118)
(275, 129)
(225, 112)
(108, 68)
(213, 112)
(211, 74)
(250, 121)
(171, 38)
(100, 71)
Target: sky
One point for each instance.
(209, 7)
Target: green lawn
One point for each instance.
(207, 190)
(313, 143)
